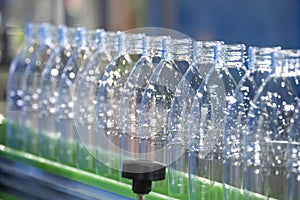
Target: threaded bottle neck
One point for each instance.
(183, 49)
(178, 49)
(260, 57)
(110, 41)
(153, 45)
(286, 62)
(71, 35)
(48, 34)
(230, 55)
(44, 32)
(94, 38)
(131, 43)
(31, 33)
(62, 36)
(81, 37)
(204, 51)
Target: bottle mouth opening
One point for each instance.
(252, 50)
(235, 47)
(184, 41)
(207, 44)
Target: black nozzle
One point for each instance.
(142, 173)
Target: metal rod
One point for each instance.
(140, 197)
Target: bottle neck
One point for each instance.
(203, 51)
(183, 50)
(260, 57)
(286, 63)
(110, 41)
(31, 33)
(81, 38)
(131, 43)
(153, 45)
(230, 55)
(178, 49)
(94, 38)
(71, 35)
(46, 34)
(62, 36)
(99, 35)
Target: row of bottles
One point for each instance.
(223, 121)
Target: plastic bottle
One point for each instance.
(14, 91)
(156, 102)
(203, 61)
(266, 135)
(31, 88)
(259, 69)
(207, 120)
(86, 104)
(293, 157)
(108, 103)
(67, 97)
(132, 95)
(49, 94)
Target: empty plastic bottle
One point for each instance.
(132, 96)
(259, 69)
(66, 98)
(293, 157)
(207, 120)
(157, 99)
(85, 159)
(108, 102)
(49, 93)
(86, 103)
(31, 88)
(266, 135)
(14, 91)
(203, 61)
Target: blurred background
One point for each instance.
(255, 22)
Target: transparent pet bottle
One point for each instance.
(49, 84)
(31, 88)
(203, 61)
(85, 107)
(67, 97)
(14, 100)
(156, 102)
(207, 120)
(267, 124)
(85, 160)
(293, 157)
(259, 65)
(132, 95)
(108, 103)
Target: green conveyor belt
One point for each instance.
(93, 179)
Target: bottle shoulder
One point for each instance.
(218, 78)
